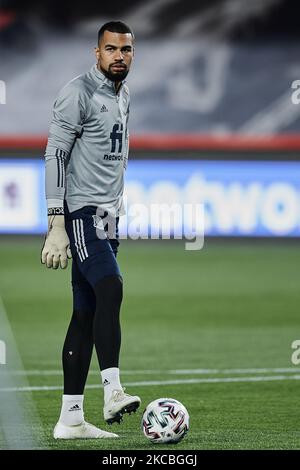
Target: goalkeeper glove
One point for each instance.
(56, 249)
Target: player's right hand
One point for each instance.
(56, 249)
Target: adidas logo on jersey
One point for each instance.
(103, 109)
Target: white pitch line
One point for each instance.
(165, 382)
(265, 370)
(236, 371)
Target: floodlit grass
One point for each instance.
(232, 305)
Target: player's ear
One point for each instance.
(97, 52)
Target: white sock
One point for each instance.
(110, 381)
(72, 410)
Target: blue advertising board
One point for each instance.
(239, 198)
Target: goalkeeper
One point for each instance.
(86, 156)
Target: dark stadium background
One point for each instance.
(211, 83)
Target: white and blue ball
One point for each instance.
(165, 421)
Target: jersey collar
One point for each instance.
(105, 81)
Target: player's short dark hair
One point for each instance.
(114, 27)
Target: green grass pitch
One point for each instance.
(231, 307)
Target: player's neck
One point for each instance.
(117, 86)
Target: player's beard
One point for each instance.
(115, 76)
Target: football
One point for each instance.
(165, 421)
